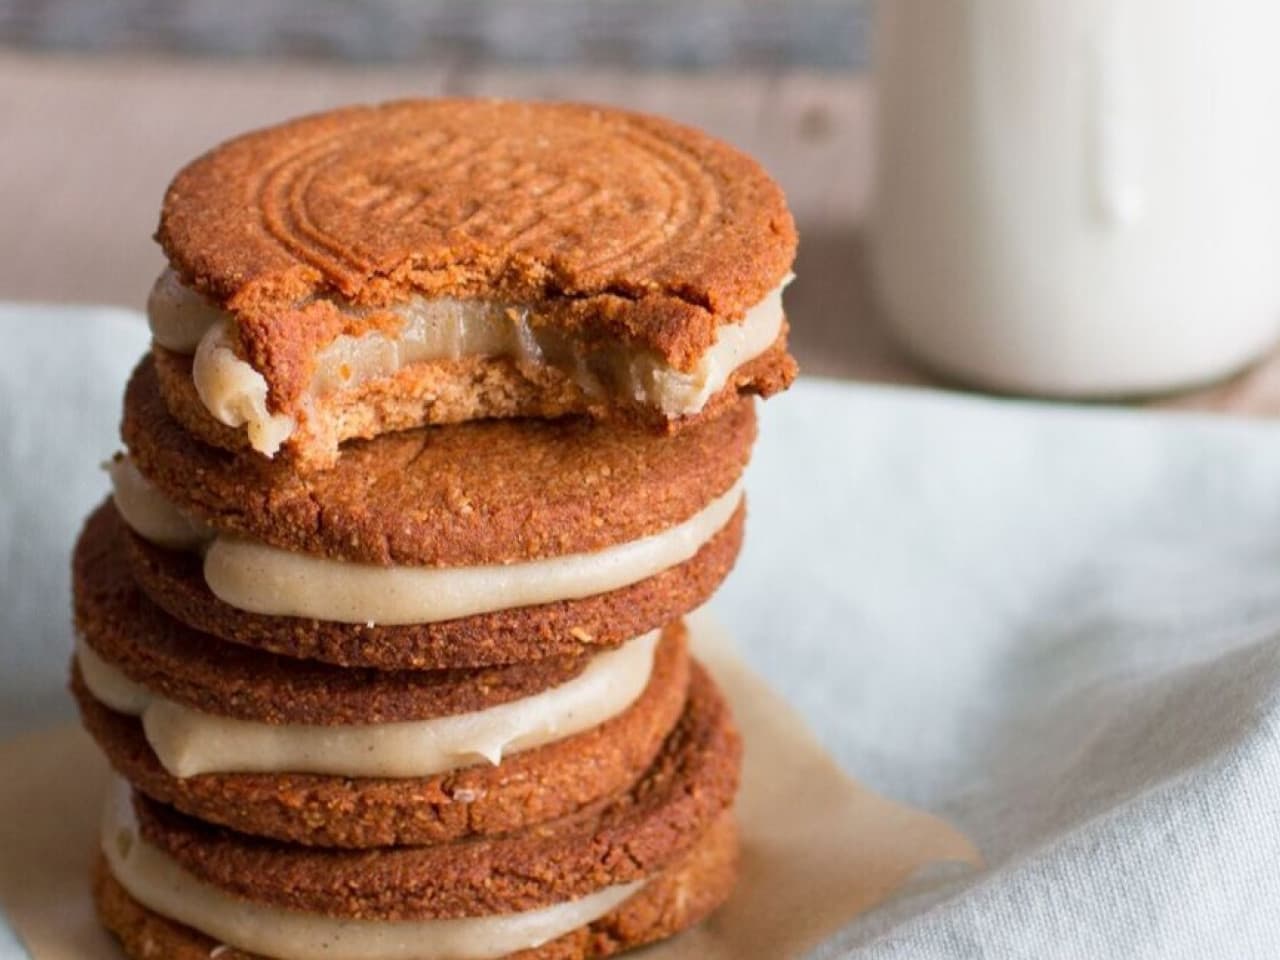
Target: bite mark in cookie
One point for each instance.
(411, 235)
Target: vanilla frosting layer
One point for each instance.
(189, 742)
(444, 329)
(253, 576)
(162, 885)
(235, 393)
(263, 579)
(149, 514)
(178, 315)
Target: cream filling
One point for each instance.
(267, 580)
(179, 316)
(162, 885)
(443, 329)
(150, 515)
(235, 393)
(190, 742)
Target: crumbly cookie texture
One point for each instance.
(614, 222)
(624, 238)
(455, 391)
(490, 492)
(630, 837)
(528, 787)
(679, 897)
(115, 618)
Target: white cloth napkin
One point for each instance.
(62, 372)
(1058, 627)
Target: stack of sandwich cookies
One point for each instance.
(391, 664)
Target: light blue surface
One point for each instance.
(1058, 627)
(10, 948)
(60, 380)
(61, 375)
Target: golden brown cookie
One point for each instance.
(115, 618)
(174, 581)
(530, 786)
(452, 391)
(676, 899)
(476, 493)
(492, 492)
(620, 233)
(633, 836)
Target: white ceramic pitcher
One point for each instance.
(1079, 197)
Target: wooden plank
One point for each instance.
(676, 34)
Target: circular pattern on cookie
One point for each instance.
(653, 229)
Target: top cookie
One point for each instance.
(429, 261)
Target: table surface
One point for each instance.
(93, 142)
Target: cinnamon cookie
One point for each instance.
(679, 897)
(473, 544)
(479, 798)
(621, 841)
(429, 261)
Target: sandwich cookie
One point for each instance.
(317, 754)
(435, 261)
(480, 543)
(677, 898)
(488, 897)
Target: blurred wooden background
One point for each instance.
(102, 100)
(94, 140)
(829, 34)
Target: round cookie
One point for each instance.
(527, 787)
(670, 229)
(630, 236)
(677, 898)
(638, 478)
(630, 837)
(174, 581)
(118, 622)
(473, 494)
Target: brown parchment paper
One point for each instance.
(817, 848)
